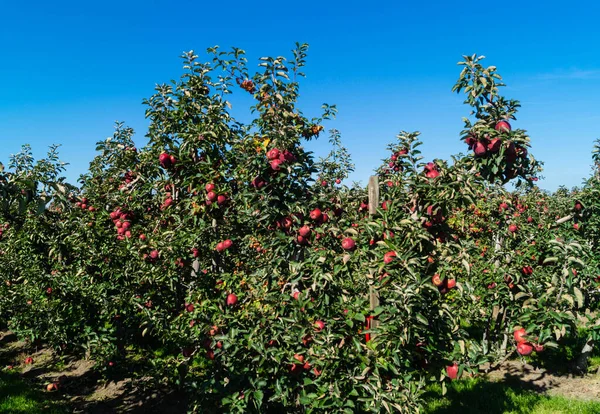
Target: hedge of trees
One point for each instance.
(243, 270)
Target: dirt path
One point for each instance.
(526, 376)
(83, 389)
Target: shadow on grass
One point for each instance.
(17, 396)
(474, 396)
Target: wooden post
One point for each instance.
(373, 190)
(373, 194)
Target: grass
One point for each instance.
(479, 396)
(18, 396)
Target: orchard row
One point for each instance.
(247, 274)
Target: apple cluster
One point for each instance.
(277, 157)
(212, 196)
(167, 160)
(122, 222)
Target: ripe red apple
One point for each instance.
(578, 206)
(165, 160)
(189, 307)
(348, 244)
(258, 182)
(319, 325)
(479, 149)
(316, 214)
(302, 240)
(28, 361)
(513, 228)
(431, 170)
(209, 187)
(304, 231)
(503, 126)
(538, 348)
(338, 181)
(211, 196)
(219, 247)
(452, 371)
(437, 280)
(519, 335)
(529, 219)
(227, 243)
(287, 156)
(221, 199)
(154, 254)
(173, 160)
(389, 257)
(451, 283)
(273, 154)
(494, 145)
(53, 386)
(296, 295)
(276, 165)
(299, 358)
(524, 348)
(231, 299)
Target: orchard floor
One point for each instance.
(514, 388)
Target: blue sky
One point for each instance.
(70, 69)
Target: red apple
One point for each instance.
(494, 145)
(437, 280)
(273, 154)
(276, 165)
(53, 386)
(165, 160)
(452, 371)
(221, 199)
(503, 126)
(189, 307)
(479, 149)
(513, 228)
(154, 254)
(524, 348)
(319, 325)
(316, 214)
(348, 244)
(451, 283)
(519, 335)
(211, 196)
(227, 243)
(389, 257)
(209, 187)
(231, 299)
(304, 231)
(28, 361)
